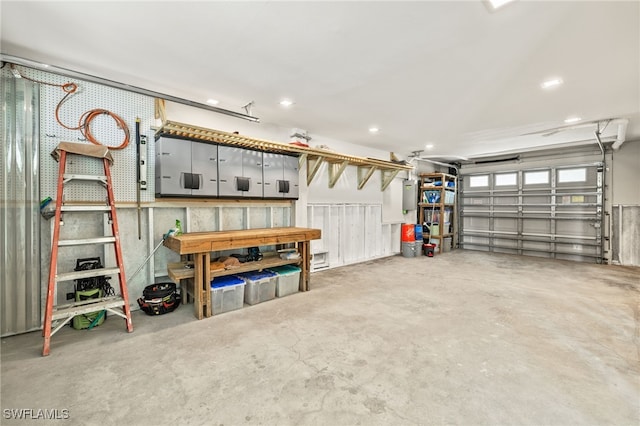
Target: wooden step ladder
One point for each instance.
(58, 316)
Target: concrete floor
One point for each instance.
(463, 338)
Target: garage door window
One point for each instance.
(506, 179)
(536, 178)
(480, 180)
(572, 175)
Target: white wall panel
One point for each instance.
(352, 233)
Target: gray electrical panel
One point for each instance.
(239, 172)
(409, 195)
(280, 176)
(185, 167)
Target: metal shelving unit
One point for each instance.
(437, 209)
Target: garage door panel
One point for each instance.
(504, 224)
(538, 199)
(477, 243)
(506, 200)
(477, 223)
(548, 212)
(505, 243)
(536, 226)
(576, 228)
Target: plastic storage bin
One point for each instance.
(260, 286)
(431, 197)
(418, 233)
(288, 280)
(227, 294)
(449, 197)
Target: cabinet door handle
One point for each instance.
(195, 183)
(188, 180)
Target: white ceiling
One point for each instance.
(452, 74)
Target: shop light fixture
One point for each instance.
(551, 83)
(429, 146)
(286, 102)
(496, 4)
(373, 130)
(572, 120)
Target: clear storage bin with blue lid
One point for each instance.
(260, 286)
(225, 281)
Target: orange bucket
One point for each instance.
(408, 233)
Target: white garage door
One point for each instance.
(552, 211)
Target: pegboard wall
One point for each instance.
(126, 105)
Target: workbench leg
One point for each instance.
(198, 268)
(306, 265)
(206, 285)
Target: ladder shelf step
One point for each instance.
(84, 241)
(86, 306)
(98, 178)
(75, 275)
(78, 208)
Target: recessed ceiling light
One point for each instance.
(373, 130)
(429, 146)
(286, 102)
(496, 4)
(572, 120)
(213, 101)
(551, 83)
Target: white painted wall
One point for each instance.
(626, 174)
(625, 197)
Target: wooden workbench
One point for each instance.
(199, 246)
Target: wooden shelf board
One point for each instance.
(180, 271)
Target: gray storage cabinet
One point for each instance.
(204, 167)
(186, 168)
(239, 172)
(280, 176)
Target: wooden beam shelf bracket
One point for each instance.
(335, 171)
(364, 174)
(313, 165)
(387, 177)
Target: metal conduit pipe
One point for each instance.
(110, 83)
(597, 133)
(453, 166)
(622, 133)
